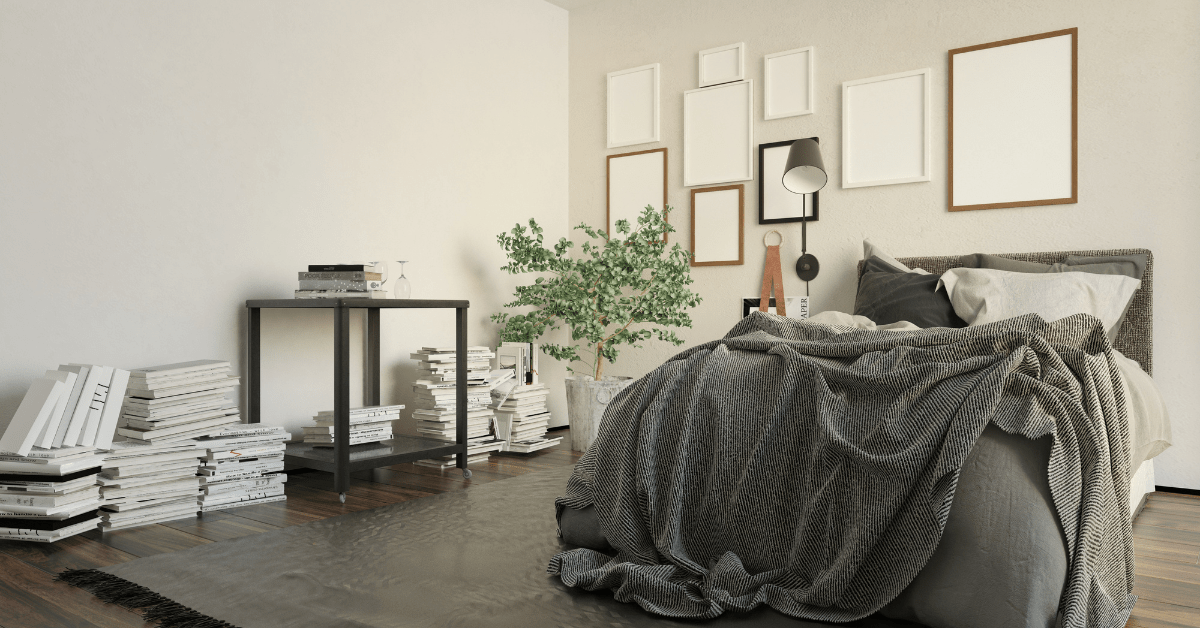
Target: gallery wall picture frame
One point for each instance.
(635, 180)
(788, 83)
(633, 106)
(719, 225)
(886, 129)
(718, 134)
(776, 203)
(723, 64)
(1013, 122)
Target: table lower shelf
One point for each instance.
(369, 456)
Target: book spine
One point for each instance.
(355, 275)
(339, 268)
(339, 284)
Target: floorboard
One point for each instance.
(1166, 541)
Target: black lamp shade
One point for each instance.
(805, 170)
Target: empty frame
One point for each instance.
(788, 83)
(885, 129)
(633, 106)
(775, 202)
(718, 134)
(723, 64)
(1013, 122)
(718, 219)
(635, 180)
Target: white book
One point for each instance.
(169, 412)
(79, 405)
(270, 491)
(6, 457)
(50, 536)
(94, 400)
(178, 369)
(168, 402)
(70, 379)
(192, 453)
(139, 423)
(253, 502)
(50, 512)
(132, 504)
(31, 416)
(48, 501)
(245, 485)
(181, 512)
(48, 488)
(112, 411)
(51, 468)
(246, 452)
(187, 430)
(183, 467)
(243, 431)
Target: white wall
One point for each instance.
(1139, 141)
(160, 163)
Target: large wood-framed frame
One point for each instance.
(1024, 146)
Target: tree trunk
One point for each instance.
(599, 360)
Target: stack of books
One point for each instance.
(435, 395)
(177, 402)
(369, 424)
(143, 483)
(77, 405)
(341, 281)
(243, 466)
(523, 418)
(48, 494)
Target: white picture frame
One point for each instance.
(723, 64)
(886, 129)
(719, 226)
(788, 83)
(635, 180)
(1013, 123)
(633, 106)
(718, 134)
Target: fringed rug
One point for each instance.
(465, 558)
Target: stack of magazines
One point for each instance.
(243, 466)
(369, 424)
(435, 395)
(341, 281)
(176, 402)
(143, 483)
(48, 494)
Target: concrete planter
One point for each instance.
(586, 402)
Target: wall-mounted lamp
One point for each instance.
(805, 174)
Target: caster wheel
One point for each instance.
(342, 497)
(466, 474)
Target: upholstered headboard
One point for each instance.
(1135, 339)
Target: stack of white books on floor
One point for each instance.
(176, 402)
(523, 418)
(48, 494)
(369, 424)
(243, 466)
(143, 483)
(435, 395)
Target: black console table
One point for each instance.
(342, 459)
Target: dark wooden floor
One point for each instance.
(1166, 536)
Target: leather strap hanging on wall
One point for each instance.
(772, 273)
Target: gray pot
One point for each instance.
(586, 401)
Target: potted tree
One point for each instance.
(619, 290)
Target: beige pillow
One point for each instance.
(981, 295)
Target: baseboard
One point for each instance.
(1172, 489)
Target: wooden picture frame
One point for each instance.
(635, 180)
(788, 83)
(1013, 122)
(776, 204)
(713, 214)
(886, 130)
(723, 64)
(633, 106)
(718, 134)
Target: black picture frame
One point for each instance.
(816, 196)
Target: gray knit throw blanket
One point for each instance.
(811, 468)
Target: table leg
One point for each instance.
(371, 376)
(460, 388)
(254, 365)
(341, 397)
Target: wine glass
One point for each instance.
(402, 288)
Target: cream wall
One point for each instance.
(1139, 141)
(160, 163)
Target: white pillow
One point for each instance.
(983, 295)
(869, 249)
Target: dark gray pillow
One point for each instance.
(995, 262)
(888, 295)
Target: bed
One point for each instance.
(977, 538)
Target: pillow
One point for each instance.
(1129, 265)
(870, 250)
(887, 295)
(981, 295)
